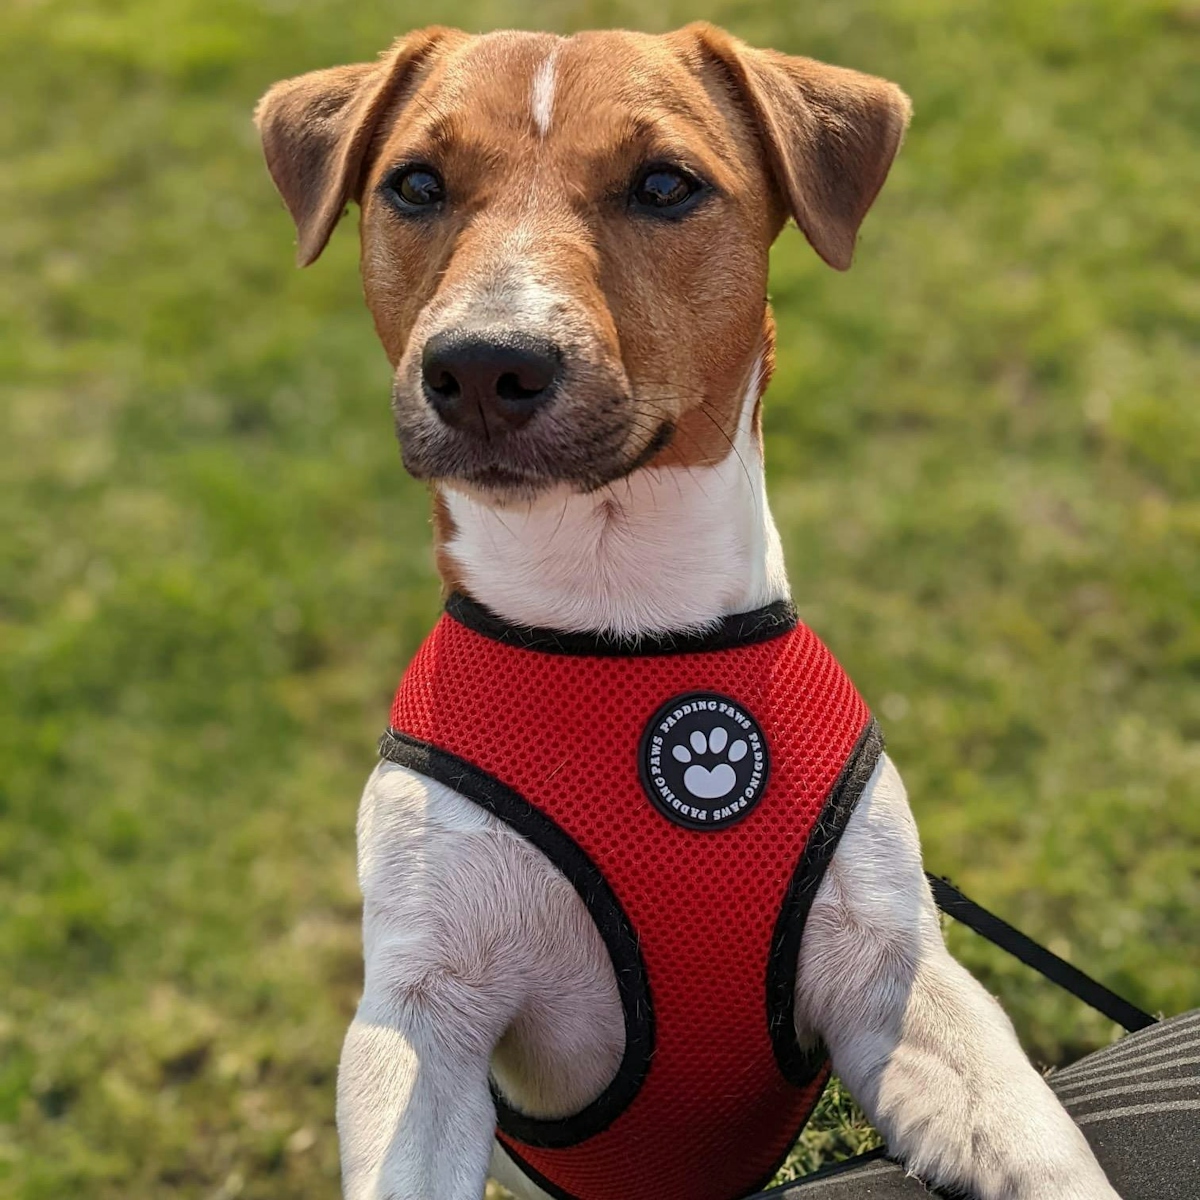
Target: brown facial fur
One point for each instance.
(448, 569)
(659, 321)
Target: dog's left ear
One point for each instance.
(830, 134)
(317, 128)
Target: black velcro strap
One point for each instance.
(954, 904)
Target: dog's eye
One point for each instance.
(415, 187)
(666, 190)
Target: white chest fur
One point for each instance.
(662, 550)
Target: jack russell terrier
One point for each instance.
(636, 869)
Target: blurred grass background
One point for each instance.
(984, 450)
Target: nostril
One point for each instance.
(509, 387)
(443, 383)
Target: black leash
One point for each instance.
(954, 904)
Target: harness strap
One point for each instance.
(954, 904)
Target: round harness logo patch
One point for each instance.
(703, 761)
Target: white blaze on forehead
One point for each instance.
(542, 98)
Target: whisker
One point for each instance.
(733, 447)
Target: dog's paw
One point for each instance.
(718, 779)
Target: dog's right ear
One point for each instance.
(316, 130)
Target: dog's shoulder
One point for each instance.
(422, 842)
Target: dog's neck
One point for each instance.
(662, 550)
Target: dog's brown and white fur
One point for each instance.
(632, 502)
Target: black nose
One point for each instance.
(488, 384)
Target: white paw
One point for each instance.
(711, 783)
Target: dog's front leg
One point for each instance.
(444, 974)
(924, 1049)
(415, 1115)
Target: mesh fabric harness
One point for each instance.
(703, 925)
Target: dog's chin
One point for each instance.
(499, 487)
(500, 476)
(502, 486)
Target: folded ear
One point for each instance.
(316, 130)
(830, 135)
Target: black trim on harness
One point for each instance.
(633, 985)
(741, 629)
(765, 1179)
(799, 1066)
(536, 1177)
(552, 1189)
(1000, 933)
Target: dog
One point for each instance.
(564, 249)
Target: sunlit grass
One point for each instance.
(983, 449)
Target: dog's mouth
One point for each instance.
(585, 454)
(663, 436)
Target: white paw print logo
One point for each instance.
(703, 760)
(713, 783)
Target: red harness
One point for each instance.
(693, 790)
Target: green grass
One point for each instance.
(984, 448)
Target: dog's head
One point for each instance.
(565, 241)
